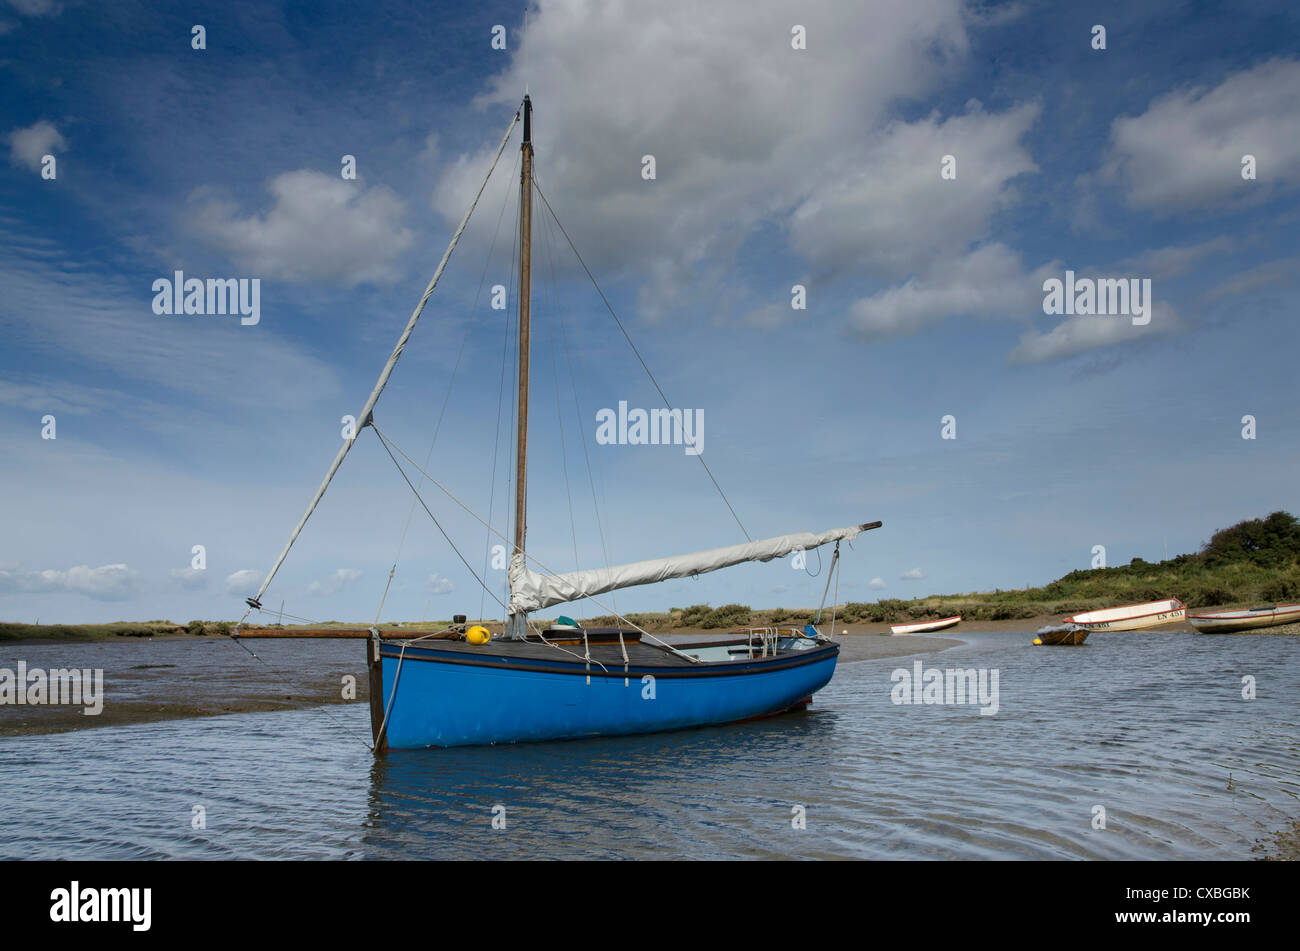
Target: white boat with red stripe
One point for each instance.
(925, 627)
(1229, 622)
(1131, 617)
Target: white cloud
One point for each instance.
(71, 398)
(35, 8)
(914, 574)
(28, 146)
(1078, 334)
(999, 15)
(1185, 152)
(1161, 263)
(989, 281)
(335, 583)
(770, 316)
(887, 213)
(780, 588)
(877, 583)
(243, 583)
(438, 585)
(105, 583)
(191, 579)
(84, 317)
(742, 126)
(1280, 271)
(319, 228)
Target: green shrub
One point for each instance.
(1281, 589)
(650, 620)
(1207, 596)
(694, 615)
(729, 615)
(884, 611)
(856, 611)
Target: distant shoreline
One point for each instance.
(1026, 625)
(73, 634)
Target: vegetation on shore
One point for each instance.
(98, 632)
(1252, 562)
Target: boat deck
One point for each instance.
(714, 654)
(610, 655)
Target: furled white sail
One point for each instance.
(530, 591)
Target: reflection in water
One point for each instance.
(678, 793)
(1151, 728)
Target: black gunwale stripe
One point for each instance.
(578, 669)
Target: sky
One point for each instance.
(922, 169)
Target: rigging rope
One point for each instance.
(234, 636)
(835, 570)
(628, 338)
(386, 442)
(469, 327)
(501, 389)
(831, 574)
(512, 445)
(364, 417)
(582, 430)
(559, 412)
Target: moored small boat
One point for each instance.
(1070, 635)
(455, 694)
(467, 686)
(924, 627)
(1229, 622)
(1131, 617)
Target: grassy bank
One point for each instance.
(100, 632)
(1252, 562)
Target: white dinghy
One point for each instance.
(1229, 622)
(1131, 617)
(925, 627)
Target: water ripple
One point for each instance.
(1151, 728)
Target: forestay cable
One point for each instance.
(469, 326)
(363, 418)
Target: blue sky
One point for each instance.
(774, 167)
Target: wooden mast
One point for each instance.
(517, 625)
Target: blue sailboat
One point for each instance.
(463, 686)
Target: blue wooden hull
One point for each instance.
(449, 698)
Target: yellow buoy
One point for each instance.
(478, 635)
(1038, 640)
